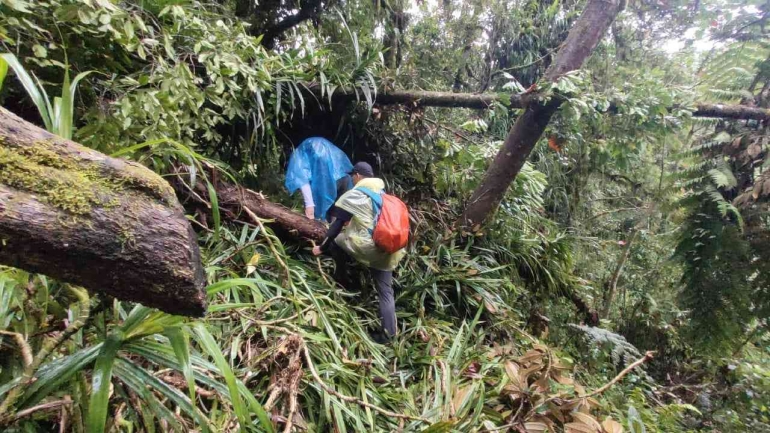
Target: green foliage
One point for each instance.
(57, 117)
(194, 84)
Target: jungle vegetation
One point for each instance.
(589, 216)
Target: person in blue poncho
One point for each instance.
(320, 170)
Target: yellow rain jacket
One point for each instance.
(356, 237)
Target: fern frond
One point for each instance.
(725, 207)
(723, 176)
(621, 349)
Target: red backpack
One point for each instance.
(391, 221)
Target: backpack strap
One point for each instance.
(376, 202)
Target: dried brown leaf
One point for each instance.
(542, 384)
(754, 150)
(513, 372)
(766, 187)
(459, 397)
(588, 420)
(577, 427)
(536, 427)
(612, 426)
(564, 380)
(527, 372)
(531, 356)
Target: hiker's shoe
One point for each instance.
(380, 337)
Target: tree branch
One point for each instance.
(647, 356)
(309, 9)
(481, 101)
(612, 284)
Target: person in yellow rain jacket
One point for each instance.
(351, 235)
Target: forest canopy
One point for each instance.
(587, 185)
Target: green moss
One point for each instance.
(72, 185)
(127, 239)
(142, 179)
(43, 173)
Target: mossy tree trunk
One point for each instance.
(106, 224)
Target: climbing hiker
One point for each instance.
(364, 215)
(319, 169)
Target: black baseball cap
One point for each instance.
(362, 168)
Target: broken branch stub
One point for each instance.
(106, 224)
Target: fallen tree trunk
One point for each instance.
(485, 100)
(106, 224)
(233, 198)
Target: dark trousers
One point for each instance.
(383, 281)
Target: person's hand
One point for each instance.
(316, 251)
(310, 212)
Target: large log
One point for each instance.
(106, 224)
(485, 100)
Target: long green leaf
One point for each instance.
(3, 71)
(207, 342)
(66, 116)
(100, 383)
(221, 286)
(126, 368)
(52, 375)
(214, 209)
(163, 356)
(181, 344)
(137, 384)
(31, 86)
(256, 407)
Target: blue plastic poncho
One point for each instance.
(320, 163)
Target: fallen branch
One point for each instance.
(45, 406)
(647, 356)
(26, 351)
(480, 101)
(235, 200)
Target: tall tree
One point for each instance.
(582, 39)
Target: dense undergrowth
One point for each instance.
(630, 215)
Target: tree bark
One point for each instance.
(233, 198)
(612, 285)
(589, 316)
(482, 101)
(582, 39)
(309, 10)
(84, 218)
